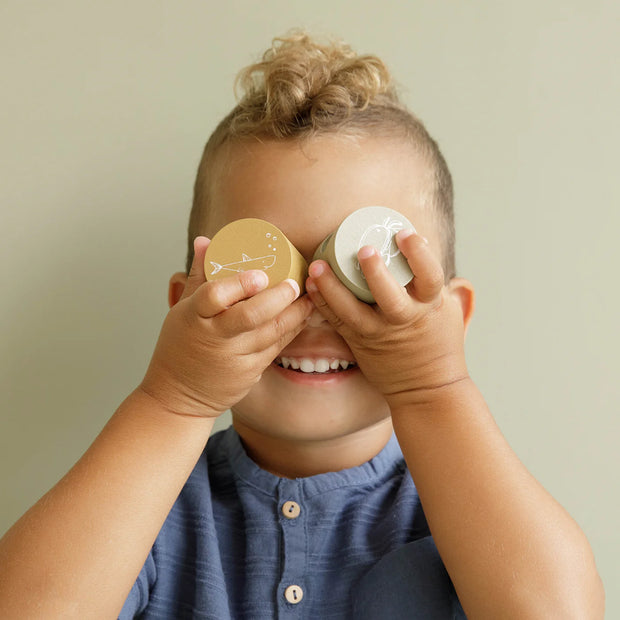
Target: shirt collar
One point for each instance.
(371, 473)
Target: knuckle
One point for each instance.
(250, 318)
(278, 324)
(282, 295)
(329, 315)
(283, 335)
(213, 293)
(217, 298)
(337, 323)
(437, 273)
(250, 282)
(429, 283)
(370, 330)
(320, 303)
(246, 282)
(400, 311)
(278, 342)
(436, 280)
(284, 329)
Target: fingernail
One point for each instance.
(316, 269)
(261, 279)
(366, 252)
(294, 286)
(311, 286)
(406, 232)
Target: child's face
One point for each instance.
(307, 192)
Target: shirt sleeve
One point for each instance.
(138, 597)
(409, 582)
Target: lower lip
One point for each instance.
(315, 379)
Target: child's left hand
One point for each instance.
(412, 339)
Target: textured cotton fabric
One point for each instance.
(358, 548)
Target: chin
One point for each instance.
(310, 414)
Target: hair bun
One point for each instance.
(302, 83)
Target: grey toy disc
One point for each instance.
(374, 226)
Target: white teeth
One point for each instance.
(306, 365)
(321, 365)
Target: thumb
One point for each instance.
(196, 275)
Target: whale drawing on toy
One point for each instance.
(246, 263)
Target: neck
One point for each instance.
(295, 458)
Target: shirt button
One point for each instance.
(291, 510)
(294, 594)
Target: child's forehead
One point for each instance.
(307, 188)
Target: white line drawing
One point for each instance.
(246, 263)
(384, 234)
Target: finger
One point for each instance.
(274, 335)
(335, 302)
(214, 297)
(196, 275)
(428, 278)
(391, 297)
(259, 309)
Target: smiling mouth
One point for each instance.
(319, 366)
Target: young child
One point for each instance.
(306, 507)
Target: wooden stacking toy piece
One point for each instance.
(251, 243)
(374, 226)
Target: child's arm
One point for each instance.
(77, 552)
(510, 549)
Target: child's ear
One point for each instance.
(463, 290)
(176, 286)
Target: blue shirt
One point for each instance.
(241, 543)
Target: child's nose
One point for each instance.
(316, 318)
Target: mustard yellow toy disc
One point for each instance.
(252, 243)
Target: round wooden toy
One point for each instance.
(251, 243)
(374, 226)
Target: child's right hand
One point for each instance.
(219, 338)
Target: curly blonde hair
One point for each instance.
(303, 88)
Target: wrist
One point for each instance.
(432, 358)
(431, 390)
(176, 399)
(167, 402)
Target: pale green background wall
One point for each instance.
(103, 114)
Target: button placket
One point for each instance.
(292, 590)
